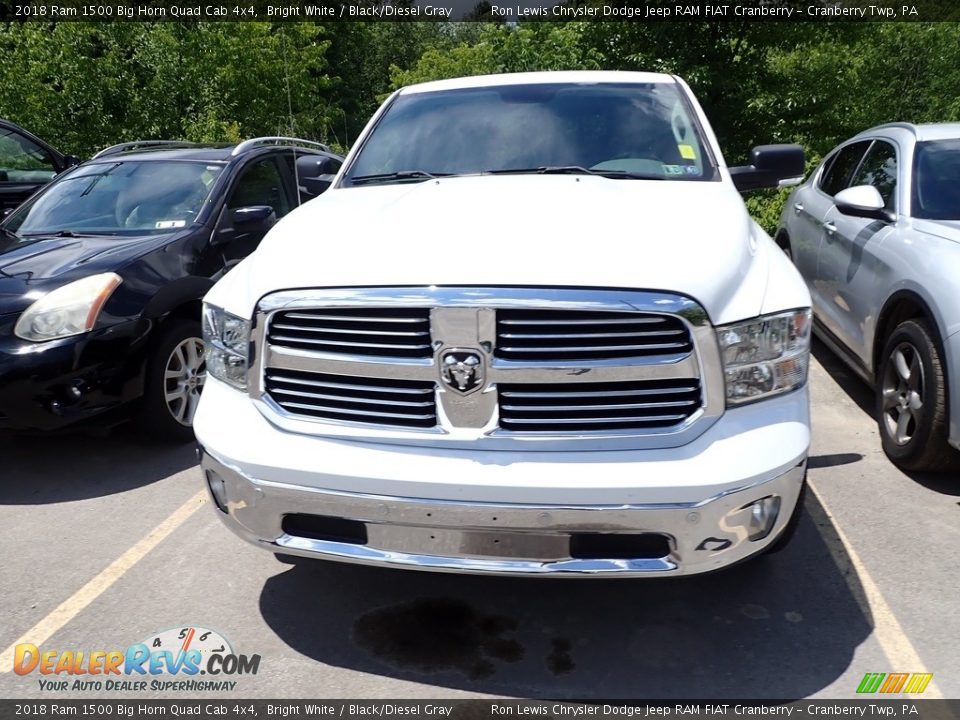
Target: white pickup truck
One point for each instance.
(529, 330)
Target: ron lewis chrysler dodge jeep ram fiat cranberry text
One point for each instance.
(530, 329)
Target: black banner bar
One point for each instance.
(789, 11)
(869, 708)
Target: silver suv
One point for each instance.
(875, 232)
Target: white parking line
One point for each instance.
(896, 646)
(72, 606)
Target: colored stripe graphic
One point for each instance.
(918, 682)
(913, 683)
(870, 682)
(894, 683)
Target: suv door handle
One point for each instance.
(830, 228)
(798, 208)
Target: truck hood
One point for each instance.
(694, 238)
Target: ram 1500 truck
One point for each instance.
(530, 330)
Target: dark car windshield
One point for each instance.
(936, 180)
(618, 130)
(122, 198)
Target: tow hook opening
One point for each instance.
(619, 546)
(322, 527)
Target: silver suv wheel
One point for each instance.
(902, 393)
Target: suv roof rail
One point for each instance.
(902, 125)
(121, 147)
(276, 140)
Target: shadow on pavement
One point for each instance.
(851, 383)
(722, 635)
(822, 461)
(59, 468)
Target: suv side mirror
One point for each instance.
(770, 166)
(71, 160)
(254, 219)
(243, 218)
(863, 201)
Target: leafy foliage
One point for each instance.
(84, 86)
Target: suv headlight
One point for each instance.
(226, 340)
(765, 356)
(69, 310)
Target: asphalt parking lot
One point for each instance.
(106, 540)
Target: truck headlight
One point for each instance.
(226, 340)
(765, 356)
(69, 310)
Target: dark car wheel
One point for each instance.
(176, 372)
(911, 400)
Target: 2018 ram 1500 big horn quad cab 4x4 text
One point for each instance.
(531, 329)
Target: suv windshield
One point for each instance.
(623, 130)
(936, 180)
(119, 198)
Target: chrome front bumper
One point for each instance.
(502, 539)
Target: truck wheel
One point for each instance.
(784, 538)
(911, 400)
(176, 371)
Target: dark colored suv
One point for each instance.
(102, 272)
(27, 163)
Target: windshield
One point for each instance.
(119, 198)
(936, 180)
(626, 130)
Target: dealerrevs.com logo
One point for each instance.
(171, 660)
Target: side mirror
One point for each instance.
(311, 166)
(310, 187)
(863, 201)
(244, 217)
(251, 220)
(770, 166)
(71, 160)
(315, 174)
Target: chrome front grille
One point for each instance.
(397, 403)
(495, 368)
(570, 335)
(565, 407)
(374, 332)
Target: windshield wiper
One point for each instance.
(576, 170)
(65, 234)
(398, 175)
(544, 170)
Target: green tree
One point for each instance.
(506, 48)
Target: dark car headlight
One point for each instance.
(69, 310)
